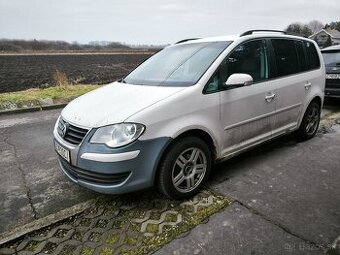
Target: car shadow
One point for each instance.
(332, 103)
(239, 164)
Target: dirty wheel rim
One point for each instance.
(189, 169)
(312, 120)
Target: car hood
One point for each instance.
(113, 103)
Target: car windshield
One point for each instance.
(332, 58)
(178, 65)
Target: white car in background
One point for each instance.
(194, 103)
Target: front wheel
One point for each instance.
(310, 122)
(185, 168)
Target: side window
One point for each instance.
(213, 83)
(286, 58)
(312, 56)
(249, 58)
(302, 56)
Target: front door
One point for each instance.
(247, 112)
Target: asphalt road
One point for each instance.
(286, 194)
(32, 185)
(286, 200)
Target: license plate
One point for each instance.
(64, 153)
(332, 76)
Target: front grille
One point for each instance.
(72, 134)
(332, 83)
(93, 177)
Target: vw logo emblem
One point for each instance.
(63, 129)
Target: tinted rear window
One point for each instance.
(285, 57)
(312, 56)
(302, 56)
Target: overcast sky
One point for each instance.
(153, 21)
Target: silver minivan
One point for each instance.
(193, 104)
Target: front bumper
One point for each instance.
(112, 170)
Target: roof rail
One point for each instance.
(262, 30)
(185, 40)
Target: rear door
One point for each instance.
(291, 82)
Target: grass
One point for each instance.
(57, 92)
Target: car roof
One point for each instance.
(331, 48)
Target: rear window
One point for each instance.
(332, 58)
(285, 57)
(302, 56)
(312, 56)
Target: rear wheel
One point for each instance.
(310, 122)
(185, 168)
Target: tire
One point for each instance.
(310, 122)
(184, 168)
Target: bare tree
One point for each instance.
(299, 29)
(333, 25)
(315, 26)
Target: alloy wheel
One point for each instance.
(189, 169)
(312, 120)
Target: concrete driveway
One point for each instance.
(286, 195)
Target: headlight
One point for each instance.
(118, 135)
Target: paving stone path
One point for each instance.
(122, 225)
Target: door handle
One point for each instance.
(308, 85)
(269, 98)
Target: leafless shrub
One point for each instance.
(60, 80)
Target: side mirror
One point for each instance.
(239, 79)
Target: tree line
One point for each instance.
(17, 46)
(7, 45)
(310, 28)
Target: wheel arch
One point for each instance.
(318, 99)
(199, 133)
